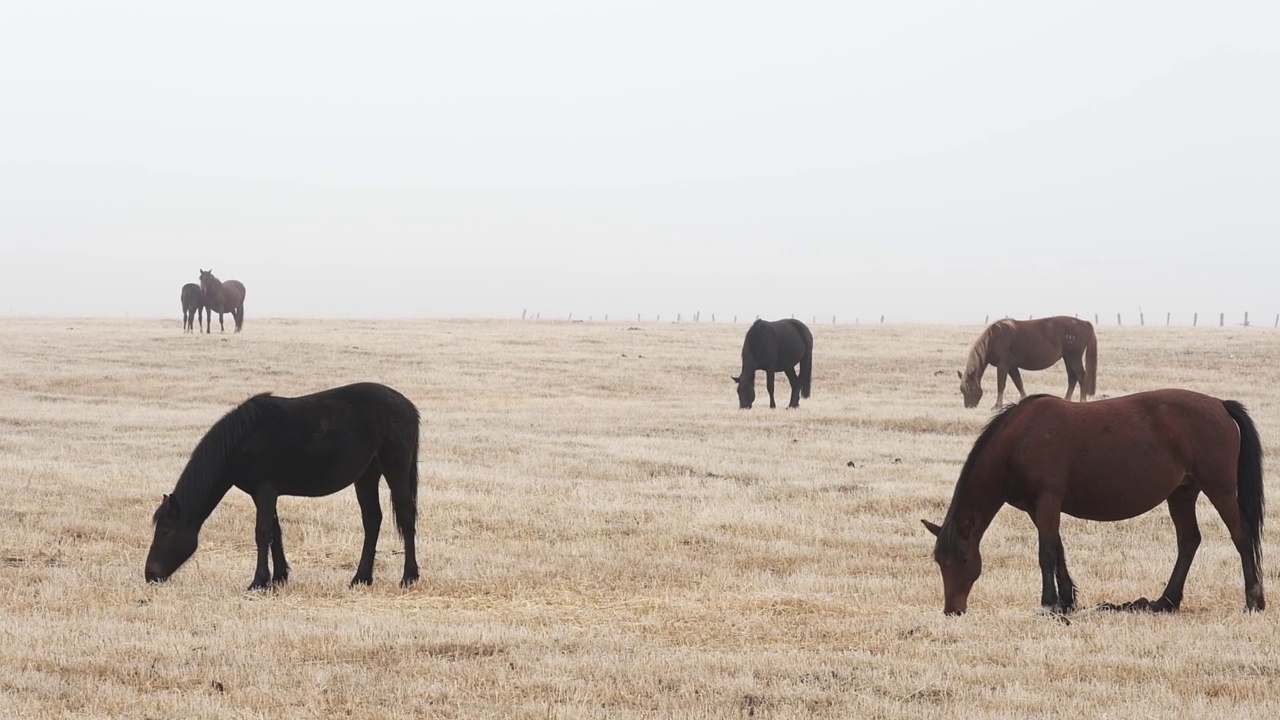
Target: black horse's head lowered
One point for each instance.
(174, 541)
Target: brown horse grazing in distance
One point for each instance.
(222, 297)
(1110, 460)
(772, 347)
(192, 304)
(1032, 345)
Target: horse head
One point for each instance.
(746, 390)
(971, 388)
(174, 542)
(960, 562)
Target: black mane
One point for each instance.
(200, 487)
(948, 538)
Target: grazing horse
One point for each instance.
(192, 304)
(775, 346)
(222, 297)
(1110, 460)
(1032, 345)
(309, 446)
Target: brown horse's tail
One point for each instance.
(1089, 386)
(1249, 489)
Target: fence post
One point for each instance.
(735, 319)
(1142, 319)
(678, 316)
(1195, 318)
(570, 317)
(1222, 319)
(1246, 319)
(713, 317)
(1095, 319)
(1118, 319)
(523, 313)
(986, 320)
(833, 319)
(881, 319)
(1166, 319)
(1277, 321)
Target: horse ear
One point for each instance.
(931, 527)
(735, 379)
(959, 374)
(169, 504)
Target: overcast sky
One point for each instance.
(927, 161)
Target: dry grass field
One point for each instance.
(602, 534)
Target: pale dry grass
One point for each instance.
(603, 534)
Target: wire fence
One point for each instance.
(1222, 319)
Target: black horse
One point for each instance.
(772, 347)
(192, 304)
(310, 446)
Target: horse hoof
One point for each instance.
(357, 580)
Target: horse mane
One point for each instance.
(949, 543)
(978, 353)
(200, 486)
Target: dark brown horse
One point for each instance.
(222, 297)
(772, 347)
(1032, 345)
(1110, 460)
(192, 304)
(311, 446)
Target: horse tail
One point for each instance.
(806, 369)
(1089, 385)
(240, 317)
(1249, 487)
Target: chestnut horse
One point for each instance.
(1110, 460)
(772, 347)
(1032, 345)
(192, 304)
(222, 297)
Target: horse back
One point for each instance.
(1117, 458)
(317, 444)
(777, 344)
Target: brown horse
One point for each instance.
(222, 297)
(192, 304)
(1032, 345)
(1109, 460)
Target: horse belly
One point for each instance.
(1122, 492)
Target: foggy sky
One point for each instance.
(927, 161)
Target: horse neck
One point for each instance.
(977, 363)
(198, 493)
(978, 496)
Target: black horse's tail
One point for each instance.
(1249, 489)
(806, 370)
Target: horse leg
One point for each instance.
(221, 327)
(265, 500)
(1182, 510)
(1075, 373)
(768, 383)
(795, 387)
(402, 481)
(1016, 376)
(280, 575)
(208, 320)
(1053, 563)
(1227, 507)
(371, 518)
(1001, 374)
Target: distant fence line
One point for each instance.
(817, 319)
